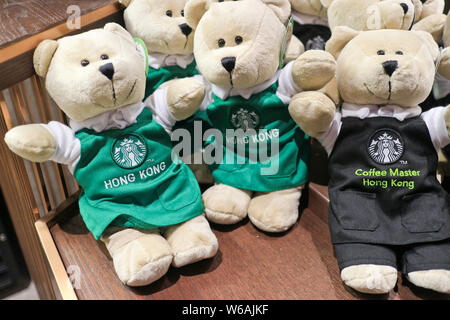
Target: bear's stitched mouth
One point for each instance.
(370, 91)
(132, 88)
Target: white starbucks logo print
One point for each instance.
(385, 146)
(129, 151)
(244, 119)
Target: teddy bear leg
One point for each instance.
(367, 268)
(275, 211)
(428, 266)
(225, 204)
(140, 256)
(191, 241)
(437, 280)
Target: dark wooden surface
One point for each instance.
(22, 19)
(299, 264)
(14, 27)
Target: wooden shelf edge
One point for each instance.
(57, 268)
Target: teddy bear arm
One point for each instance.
(313, 69)
(444, 64)
(32, 142)
(313, 111)
(184, 97)
(433, 24)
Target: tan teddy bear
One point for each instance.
(381, 14)
(143, 204)
(246, 101)
(385, 200)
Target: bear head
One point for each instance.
(384, 66)
(92, 72)
(160, 24)
(238, 43)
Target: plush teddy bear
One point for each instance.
(439, 26)
(247, 93)
(139, 200)
(169, 39)
(385, 200)
(311, 23)
(381, 14)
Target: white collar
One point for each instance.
(158, 60)
(372, 110)
(224, 93)
(114, 119)
(303, 18)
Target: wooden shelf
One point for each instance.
(299, 264)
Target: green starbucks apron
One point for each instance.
(156, 77)
(128, 179)
(268, 118)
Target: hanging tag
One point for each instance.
(142, 49)
(286, 40)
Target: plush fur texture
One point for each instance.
(75, 81)
(361, 79)
(159, 24)
(252, 66)
(371, 14)
(261, 25)
(311, 7)
(89, 93)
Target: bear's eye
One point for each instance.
(221, 43)
(84, 63)
(182, 13)
(380, 52)
(169, 13)
(399, 52)
(104, 57)
(238, 39)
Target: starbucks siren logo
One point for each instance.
(385, 147)
(244, 119)
(129, 151)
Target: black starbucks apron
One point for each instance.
(383, 187)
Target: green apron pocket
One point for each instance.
(423, 212)
(356, 210)
(287, 161)
(178, 191)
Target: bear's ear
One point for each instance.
(427, 39)
(43, 56)
(119, 30)
(125, 3)
(282, 8)
(340, 37)
(417, 9)
(194, 11)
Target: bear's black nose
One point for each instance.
(185, 29)
(405, 7)
(228, 63)
(390, 66)
(107, 70)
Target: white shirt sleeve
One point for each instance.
(68, 147)
(157, 102)
(286, 85)
(435, 121)
(328, 139)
